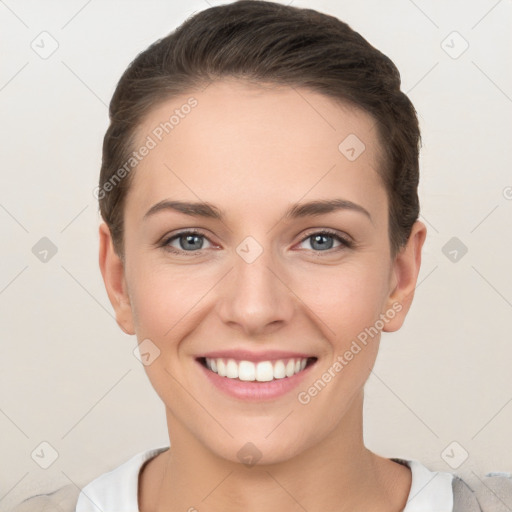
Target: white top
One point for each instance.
(117, 490)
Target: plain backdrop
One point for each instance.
(441, 388)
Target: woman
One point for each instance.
(259, 197)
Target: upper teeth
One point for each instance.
(263, 371)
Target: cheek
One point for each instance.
(163, 297)
(163, 311)
(350, 305)
(348, 299)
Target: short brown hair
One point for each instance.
(267, 42)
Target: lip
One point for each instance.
(255, 357)
(255, 391)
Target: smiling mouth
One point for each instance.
(262, 371)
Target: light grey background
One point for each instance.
(68, 375)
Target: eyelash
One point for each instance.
(345, 242)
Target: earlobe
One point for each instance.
(405, 272)
(113, 272)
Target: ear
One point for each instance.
(404, 275)
(112, 270)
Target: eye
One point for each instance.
(321, 241)
(191, 241)
(188, 241)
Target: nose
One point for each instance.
(256, 297)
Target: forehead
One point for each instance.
(241, 143)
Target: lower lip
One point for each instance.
(253, 390)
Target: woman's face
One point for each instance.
(258, 281)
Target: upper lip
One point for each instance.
(247, 355)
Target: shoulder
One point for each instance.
(464, 498)
(61, 500)
(493, 494)
(114, 490)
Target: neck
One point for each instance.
(338, 473)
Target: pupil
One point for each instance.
(316, 238)
(190, 238)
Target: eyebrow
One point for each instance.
(295, 211)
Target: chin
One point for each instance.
(253, 451)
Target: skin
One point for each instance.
(252, 151)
